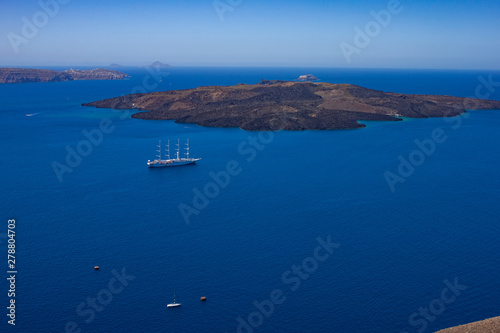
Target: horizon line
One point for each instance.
(255, 66)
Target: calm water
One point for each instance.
(396, 248)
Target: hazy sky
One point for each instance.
(418, 34)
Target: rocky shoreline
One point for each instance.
(490, 325)
(288, 105)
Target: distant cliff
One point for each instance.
(276, 104)
(25, 75)
(307, 77)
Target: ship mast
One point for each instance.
(187, 149)
(159, 150)
(178, 145)
(168, 149)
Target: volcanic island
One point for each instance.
(289, 105)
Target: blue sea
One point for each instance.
(389, 228)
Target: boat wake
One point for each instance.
(33, 114)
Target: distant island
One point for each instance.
(26, 75)
(158, 64)
(274, 105)
(113, 65)
(307, 77)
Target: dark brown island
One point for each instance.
(27, 75)
(289, 105)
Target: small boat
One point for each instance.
(174, 304)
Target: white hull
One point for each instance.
(172, 163)
(173, 305)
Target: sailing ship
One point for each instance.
(174, 304)
(168, 162)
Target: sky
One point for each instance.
(444, 34)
